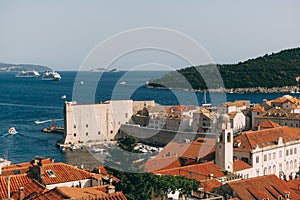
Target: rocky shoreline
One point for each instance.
(285, 89)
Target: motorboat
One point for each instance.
(123, 83)
(12, 131)
(28, 74)
(51, 76)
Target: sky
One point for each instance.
(63, 33)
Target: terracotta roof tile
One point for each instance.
(261, 187)
(210, 184)
(98, 193)
(26, 164)
(239, 165)
(267, 137)
(268, 124)
(17, 181)
(62, 173)
(258, 108)
(198, 171)
(180, 154)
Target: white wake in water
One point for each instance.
(28, 106)
(48, 120)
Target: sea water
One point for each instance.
(25, 100)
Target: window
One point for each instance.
(280, 167)
(265, 157)
(86, 133)
(74, 134)
(295, 150)
(50, 173)
(291, 164)
(269, 170)
(274, 169)
(265, 171)
(291, 151)
(287, 152)
(98, 132)
(269, 156)
(257, 159)
(257, 172)
(111, 132)
(287, 165)
(274, 155)
(280, 154)
(245, 159)
(295, 164)
(126, 115)
(291, 124)
(87, 125)
(74, 126)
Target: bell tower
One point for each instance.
(224, 146)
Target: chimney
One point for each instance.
(258, 128)
(21, 193)
(110, 189)
(0, 170)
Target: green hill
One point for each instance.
(273, 70)
(7, 67)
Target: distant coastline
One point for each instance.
(8, 67)
(285, 89)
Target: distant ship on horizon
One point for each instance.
(28, 74)
(51, 76)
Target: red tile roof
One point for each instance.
(269, 186)
(268, 124)
(98, 193)
(239, 165)
(23, 167)
(180, 154)
(162, 163)
(63, 173)
(210, 184)
(198, 171)
(268, 137)
(17, 181)
(294, 185)
(258, 108)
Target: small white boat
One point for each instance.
(123, 83)
(51, 76)
(12, 131)
(28, 74)
(63, 96)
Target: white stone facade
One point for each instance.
(95, 123)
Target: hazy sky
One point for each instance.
(61, 33)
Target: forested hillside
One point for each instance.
(273, 70)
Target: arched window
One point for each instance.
(291, 164)
(269, 170)
(295, 164)
(265, 171)
(228, 137)
(274, 169)
(287, 165)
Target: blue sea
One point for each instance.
(22, 101)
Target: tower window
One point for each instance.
(74, 134)
(98, 132)
(229, 137)
(87, 125)
(86, 133)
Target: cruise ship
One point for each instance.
(28, 74)
(51, 76)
